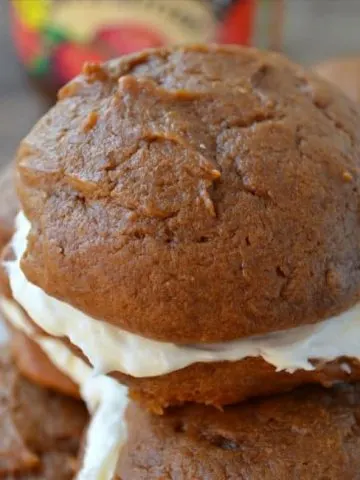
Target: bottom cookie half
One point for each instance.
(309, 434)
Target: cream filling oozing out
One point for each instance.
(106, 399)
(109, 348)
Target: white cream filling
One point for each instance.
(109, 348)
(106, 399)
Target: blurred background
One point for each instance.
(43, 42)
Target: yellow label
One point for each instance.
(33, 13)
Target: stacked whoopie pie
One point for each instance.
(189, 228)
(40, 431)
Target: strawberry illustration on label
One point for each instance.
(68, 59)
(54, 38)
(27, 41)
(124, 38)
(237, 23)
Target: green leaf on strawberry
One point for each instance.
(40, 66)
(53, 35)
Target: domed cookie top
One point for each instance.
(196, 194)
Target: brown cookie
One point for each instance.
(40, 431)
(35, 365)
(196, 194)
(343, 72)
(224, 383)
(30, 360)
(310, 434)
(219, 383)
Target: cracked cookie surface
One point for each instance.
(196, 194)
